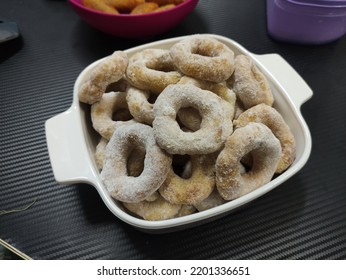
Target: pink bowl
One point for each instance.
(134, 26)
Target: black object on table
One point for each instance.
(304, 218)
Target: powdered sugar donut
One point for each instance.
(250, 85)
(114, 174)
(108, 71)
(140, 107)
(204, 58)
(169, 136)
(152, 69)
(266, 151)
(102, 113)
(190, 117)
(269, 116)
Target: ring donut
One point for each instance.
(114, 174)
(191, 118)
(110, 70)
(194, 189)
(213, 130)
(152, 69)
(267, 115)
(139, 106)
(266, 151)
(102, 113)
(250, 85)
(203, 58)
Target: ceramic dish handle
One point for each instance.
(290, 80)
(67, 149)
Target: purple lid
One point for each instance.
(320, 3)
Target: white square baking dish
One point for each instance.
(71, 140)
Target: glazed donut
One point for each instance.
(114, 174)
(139, 106)
(194, 189)
(267, 115)
(152, 69)
(191, 118)
(156, 210)
(266, 151)
(250, 85)
(111, 69)
(203, 58)
(102, 113)
(213, 130)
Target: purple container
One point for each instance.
(306, 21)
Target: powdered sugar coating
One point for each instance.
(108, 71)
(114, 174)
(152, 69)
(141, 109)
(266, 151)
(204, 58)
(250, 85)
(169, 136)
(269, 116)
(191, 118)
(102, 113)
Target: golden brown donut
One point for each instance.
(166, 2)
(250, 85)
(164, 8)
(266, 151)
(124, 5)
(115, 175)
(100, 5)
(204, 58)
(144, 8)
(214, 126)
(110, 70)
(152, 69)
(194, 189)
(102, 113)
(269, 116)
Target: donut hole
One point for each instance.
(152, 98)
(198, 50)
(189, 118)
(123, 114)
(120, 85)
(179, 165)
(135, 161)
(247, 162)
(162, 67)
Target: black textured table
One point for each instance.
(304, 218)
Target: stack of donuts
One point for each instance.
(185, 129)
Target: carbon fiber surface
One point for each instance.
(305, 218)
